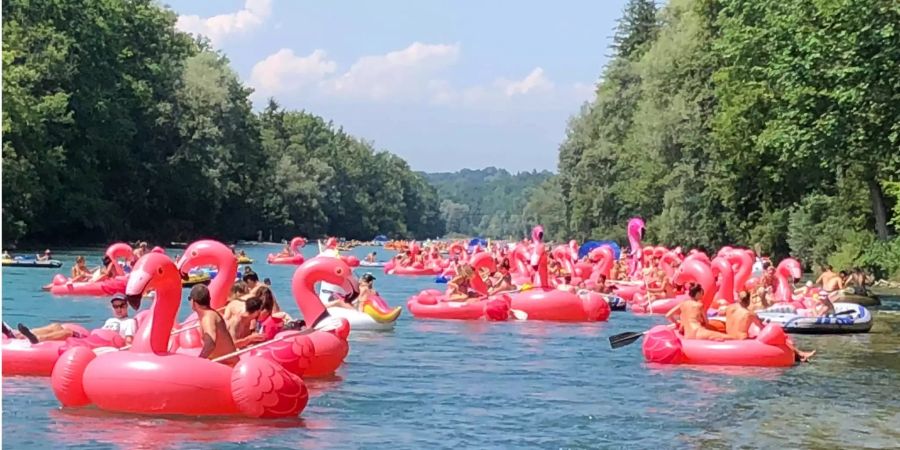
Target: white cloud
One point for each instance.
(415, 74)
(285, 72)
(533, 82)
(218, 28)
(405, 73)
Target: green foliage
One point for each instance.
(487, 202)
(116, 125)
(746, 123)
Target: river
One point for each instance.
(446, 384)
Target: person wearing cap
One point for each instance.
(213, 330)
(120, 322)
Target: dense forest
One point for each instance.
(488, 202)
(770, 123)
(116, 125)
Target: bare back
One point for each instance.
(213, 328)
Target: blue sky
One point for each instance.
(444, 84)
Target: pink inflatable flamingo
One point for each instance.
(635, 233)
(539, 258)
(697, 271)
(296, 257)
(207, 253)
(21, 357)
(721, 269)
(62, 285)
(147, 379)
(330, 338)
(742, 263)
(788, 270)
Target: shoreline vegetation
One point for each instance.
(770, 125)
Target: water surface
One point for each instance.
(443, 384)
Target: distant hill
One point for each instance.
(486, 202)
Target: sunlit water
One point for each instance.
(443, 384)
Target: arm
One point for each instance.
(208, 331)
(670, 316)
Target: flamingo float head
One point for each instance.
(208, 252)
(155, 272)
(636, 228)
(694, 270)
(537, 233)
(321, 268)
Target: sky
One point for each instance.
(445, 84)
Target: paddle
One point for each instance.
(623, 339)
(262, 344)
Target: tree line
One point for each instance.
(769, 123)
(117, 125)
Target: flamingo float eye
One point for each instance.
(194, 253)
(339, 271)
(159, 270)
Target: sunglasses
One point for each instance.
(119, 305)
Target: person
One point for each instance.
(235, 305)
(213, 330)
(691, 316)
(138, 252)
(80, 271)
(51, 332)
(46, 256)
(829, 280)
(267, 282)
(759, 301)
(805, 290)
(370, 257)
(242, 254)
(107, 272)
(252, 281)
(459, 286)
(242, 326)
(120, 322)
(768, 279)
(270, 322)
(502, 280)
(856, 283)
(6, 255)
(823, 306)
(739, 319)
(286, 251)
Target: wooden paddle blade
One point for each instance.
(623, 339)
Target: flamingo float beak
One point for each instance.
(134, 290)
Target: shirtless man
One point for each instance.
(235, 305)
(738, 320)
(830, 281)
(692, 317)
(216, 340)
(241, 326)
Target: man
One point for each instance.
(738, 319)
(370, 257)
(241, 326)
(120, 322)
(46, 256)
(51, 332)
(213, 330)
(829, 280)
(692, 317)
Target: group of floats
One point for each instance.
(160, 372)
(539, 296)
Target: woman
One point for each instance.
(460, 286)
(502, 280)
(80, 272)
